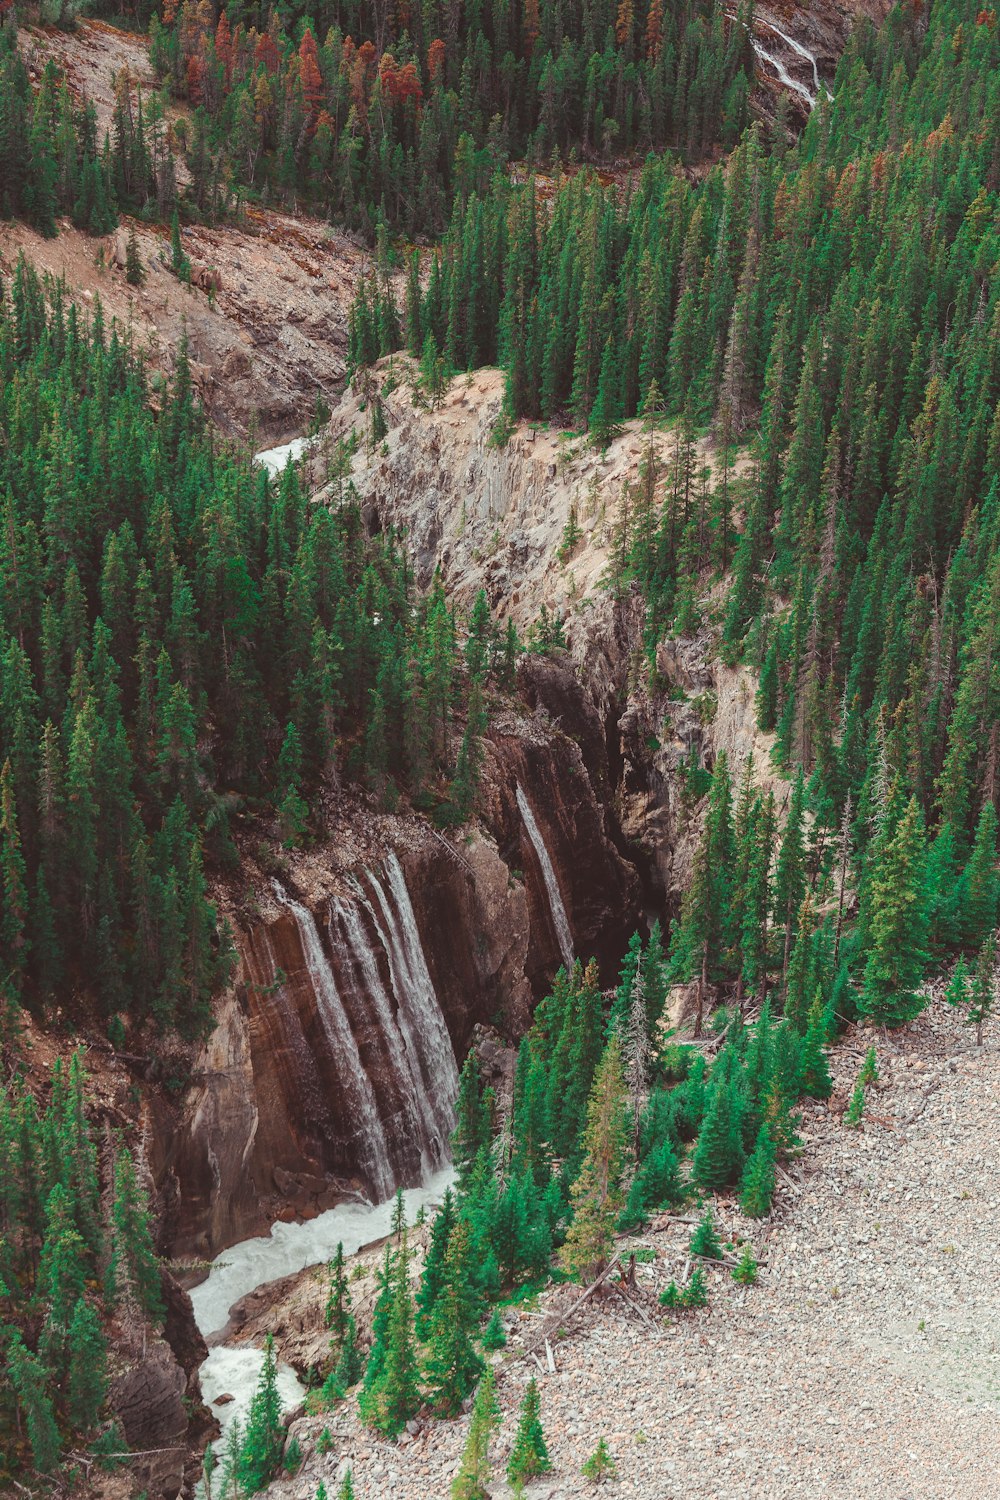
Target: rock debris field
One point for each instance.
(865, 1362)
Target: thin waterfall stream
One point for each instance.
(775, 63)
(559, 918)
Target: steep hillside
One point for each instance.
(863, 1363)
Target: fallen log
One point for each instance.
(558, 1319)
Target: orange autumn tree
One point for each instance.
(312, 78)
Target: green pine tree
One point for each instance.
(529, 1456)
(494, 1334)
(88, 1374)
(718, 1154)
(897, 926)
(600, 1465)
(453, 1366)
(705, 1241)
(745, 1271)
(263, 1441)
(597, 1194)
(474, 1472)
(856, 1106)
(757, 1182)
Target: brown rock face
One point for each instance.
(333, 1065)
(277, 1121)
(147, 1399)
(599, 890)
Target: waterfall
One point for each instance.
(423, 1024)
(559, 917)
(783, 74)
(801, 51)
(373, 1148)
(398, 1025)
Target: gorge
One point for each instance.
(499, 728)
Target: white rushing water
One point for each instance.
(421, 1017)
(799, 51)
(235, 1370)
(373, 1149)
(784, 77)
(783, 74)
(559, 918)
(275, 459)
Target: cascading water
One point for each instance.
(425, 1033)
(416, 1044)
(274, 460)
(559, 918)
(783, 74)
(802, 52)
(372, 1146)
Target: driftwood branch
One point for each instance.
(633, 1303)
(789, 1181)
(558, 1319)
(931, 1088)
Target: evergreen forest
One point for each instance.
(194, 655)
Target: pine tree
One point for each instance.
(346, 1491)
(473, 1119)
(596, 1194)
(433, 1276)
(745, 1271)
(263, 1441)
(869, 1068)
(982, 991)
(337, 1312)
(348, 1369)
(529, 1456)
(14, 938)
(856, 1106)
(392, 1396)
(757, 1182)
(600, 1465)
(27, 1376)
(695, 1294)
(718, 1155)
(88, 1378)
(896, 926)
(179, 263)
(494, 1334)
(132, 1255)
(815, 1077)
(473, 1476)
(635, 1051)
(134, 273)
(656, 1185)
(979, 886)
(453, 1365)
(705, 1241)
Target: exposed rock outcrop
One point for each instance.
(273, 1124)
(156, 1397)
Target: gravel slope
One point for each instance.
(864, 1364)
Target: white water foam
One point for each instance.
(233, 1370)
(275, 459)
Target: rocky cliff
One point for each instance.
(323, 1074)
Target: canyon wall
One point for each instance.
(333, 1067)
